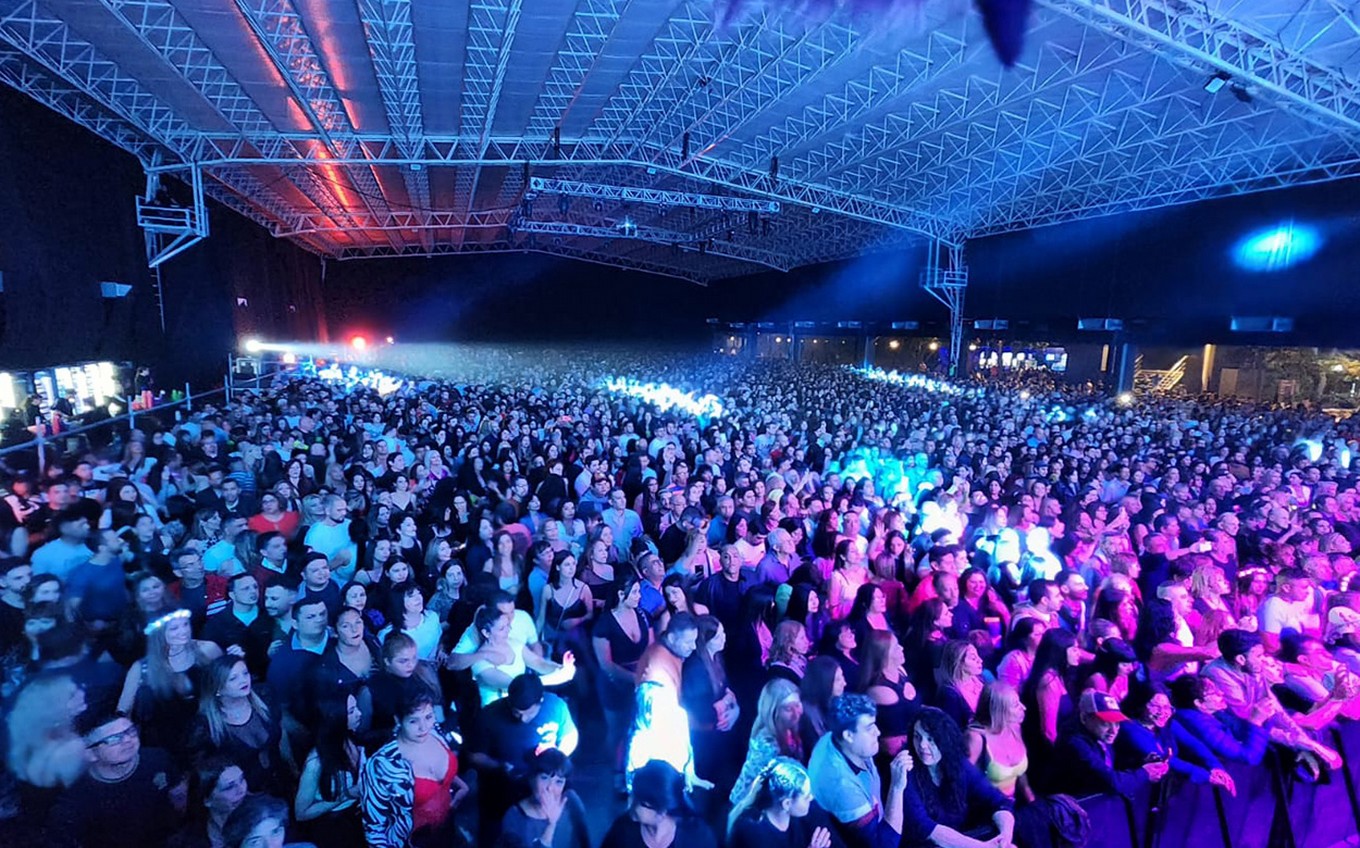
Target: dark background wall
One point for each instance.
(68, 222)
(66, 203)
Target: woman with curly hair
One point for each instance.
(947, 800)
(788, 652)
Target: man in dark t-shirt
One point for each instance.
(508, 733)
(15, 575)
(124, 798)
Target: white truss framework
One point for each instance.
(633, 194)
(861, 140)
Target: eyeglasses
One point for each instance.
(116, 738)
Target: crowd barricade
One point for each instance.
(1273, 808)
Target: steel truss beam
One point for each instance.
(682, 241)
(284, 150)
(633, 194)
(279, 30)
(1191, 34)
(588, 31)
(491, 35)
(582, 254)
(391, 44)
(49, 42)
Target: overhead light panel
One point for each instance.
(1216, 82)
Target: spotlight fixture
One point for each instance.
(253, 346)
(934, 345)
(1216, 82)
(894, 344)
(628, 226)
(1241, 93)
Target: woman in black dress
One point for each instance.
(621, 635)
(659, 815)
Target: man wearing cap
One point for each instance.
(1086, 753)
(508, 733)
(60, 556)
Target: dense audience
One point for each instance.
(840, 611)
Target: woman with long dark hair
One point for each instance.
(1047, 694)
(883, 677)
(712, 707)
(327, 801)
(1022, 644)
(824, 680)
(925, 641)
(947, 800)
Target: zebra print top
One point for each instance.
(387, 788)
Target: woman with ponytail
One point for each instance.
(778, 812)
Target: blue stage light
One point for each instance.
(1278, 247)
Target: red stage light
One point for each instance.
(359, 343)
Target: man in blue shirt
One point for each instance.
(845, 781)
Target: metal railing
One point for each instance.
(43, 440)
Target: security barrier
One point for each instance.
(1273, 808)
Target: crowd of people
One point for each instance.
(845, 611)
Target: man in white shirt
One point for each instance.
(331, 537)
(1290, 607)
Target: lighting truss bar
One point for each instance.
(631, 194)
(1189, 33)
(383, 251)
(684, 241)
(397, 220)
(296, 149)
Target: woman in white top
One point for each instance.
(408, 608)
(848, 574)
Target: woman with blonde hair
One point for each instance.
(995, 744)
(44, 749)
(159, 692)
(774, 733)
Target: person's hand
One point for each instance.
(694, 781)
(552, 803)
(275, 646)
(900, 767)
(821, 838)
(1261, 711)
(1157, 770)
(568, 659)
(236, 651)
(1219, 777)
